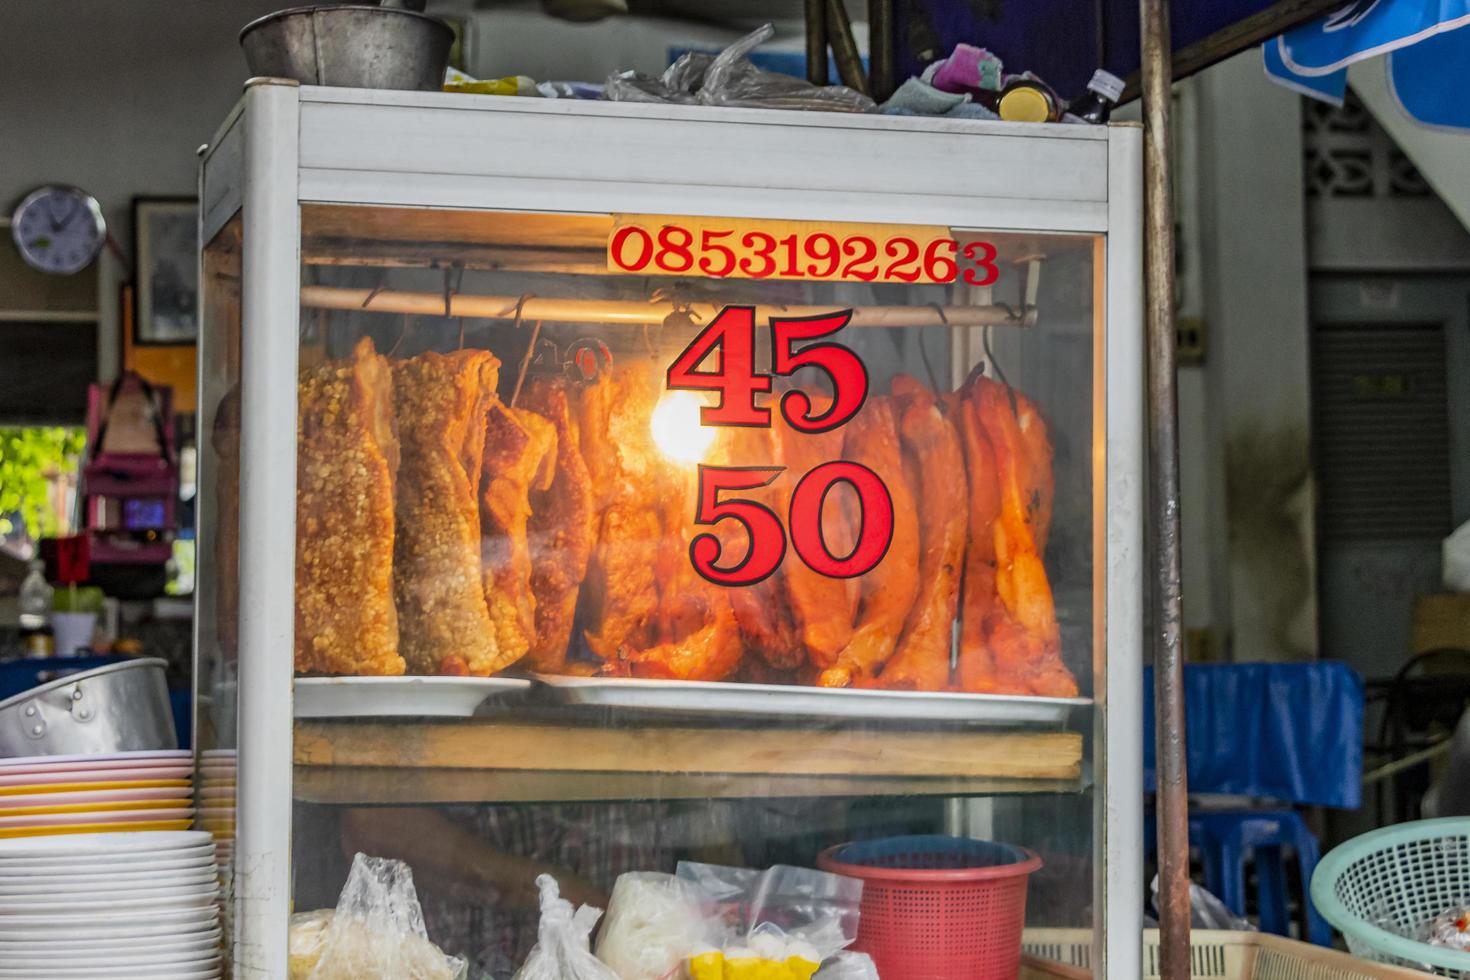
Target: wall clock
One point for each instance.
(59, 229)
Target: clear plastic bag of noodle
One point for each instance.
(375, 933)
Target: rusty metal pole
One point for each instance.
(880, 49)
(1163, 411)
(844, 48)
(816, 41)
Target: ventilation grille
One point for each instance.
(1381, 431)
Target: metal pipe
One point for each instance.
(844, 48)
(880, 49)
(816, 41)
(608, 311)
(1163, 455)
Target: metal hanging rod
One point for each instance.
(637, 312)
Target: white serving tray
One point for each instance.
(791, 702)
(360, 697)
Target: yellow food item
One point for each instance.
(743, 965)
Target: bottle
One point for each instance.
(1027, 98)
(35, 611)
(1096, 104)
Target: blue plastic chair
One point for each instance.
(1270, 838)
(1291, 733)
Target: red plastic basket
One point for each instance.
(938, 908)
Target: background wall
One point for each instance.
(115, 98)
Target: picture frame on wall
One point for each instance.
(166, 270)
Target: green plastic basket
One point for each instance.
(1378, 889)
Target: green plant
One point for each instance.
(30, 458)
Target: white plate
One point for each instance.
(73, 797)
(179, 920)
(82, 955)
(97, 816)
(782, 701)
(357, 697)
(135, 946)
(108, 932)
(115, 760)
(140, 864)
(110, 887)
(74, 846)
(107, 775)
(75, 905)
(102, 973)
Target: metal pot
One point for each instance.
(350, 45)
(117, 708)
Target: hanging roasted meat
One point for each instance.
(762, 610)
(520, 454)
(621, 594)
(696, 633)
(347, 460)
(441, 401)
(823, 608)
(1025, 639)
(976, 662)
(922, 660)
(561, 528)
(888, 591)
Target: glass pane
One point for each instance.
(217, 594)
(791, 523)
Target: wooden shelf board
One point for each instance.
(494, 759)
(391, 786)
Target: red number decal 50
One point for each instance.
(767, 536)
(849, 376)
(875, 523)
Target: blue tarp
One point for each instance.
(1427, 43)
(1288, 732)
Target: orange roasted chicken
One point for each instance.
(520, 455)
(922, 660)
(1023, 635)
(561, 528)
(889, 590)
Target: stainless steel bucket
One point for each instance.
(350, 45)
(117, 708)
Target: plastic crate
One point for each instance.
(1214, 955)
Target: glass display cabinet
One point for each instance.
(587, 487)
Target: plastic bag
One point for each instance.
(1206, 911)
(795, 917)
(1457, 559)
(375, 933)
(849, 966)
(653, 923)
(731, 79)
(562, 950)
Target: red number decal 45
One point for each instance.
(731, 336)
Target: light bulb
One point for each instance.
(676, 429)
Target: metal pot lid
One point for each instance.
(62, 682)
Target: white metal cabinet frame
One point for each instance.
(286, 145)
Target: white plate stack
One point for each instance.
(136, 905)
(217, 801)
